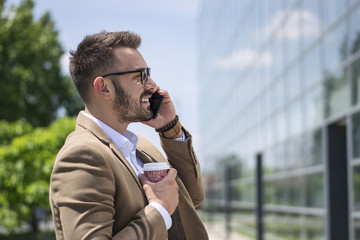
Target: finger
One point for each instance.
(144, 180)
(164, 92)
(157, 89)
(172, 173)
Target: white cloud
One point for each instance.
(310, 24)
(244, 58)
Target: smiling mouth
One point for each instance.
(145, 100)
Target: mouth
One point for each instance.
(145, 100)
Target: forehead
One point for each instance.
(128, 59)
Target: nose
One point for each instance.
(150, 85)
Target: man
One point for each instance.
(97, 187)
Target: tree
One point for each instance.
(33, 87)
(27, 156)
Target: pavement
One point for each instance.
(218, 232)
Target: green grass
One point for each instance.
(29, 236)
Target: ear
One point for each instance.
(102, 87)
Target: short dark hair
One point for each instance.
(94, 56)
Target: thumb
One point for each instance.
(144, 180)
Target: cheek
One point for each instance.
(136, 96)
(134, 92)
(138, 93)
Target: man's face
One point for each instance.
(131, 102)
(130, 109)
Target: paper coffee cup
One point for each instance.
(156, 171)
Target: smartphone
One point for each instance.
(155, 103)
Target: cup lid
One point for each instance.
(155, 166)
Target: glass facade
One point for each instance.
(279, 79)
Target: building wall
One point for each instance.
(276, 78)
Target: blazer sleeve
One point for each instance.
(182, 157)
(81, 193)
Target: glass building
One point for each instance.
(280, 117)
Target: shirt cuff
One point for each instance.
(164, 213)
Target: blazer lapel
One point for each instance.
(121, 157)
(147, 152)
(85, 122)
(144, 156)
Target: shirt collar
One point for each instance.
(125, 142)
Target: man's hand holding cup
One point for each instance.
(160, 185)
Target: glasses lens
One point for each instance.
(144, 75)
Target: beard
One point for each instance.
(129, 110)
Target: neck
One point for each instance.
(106, 116)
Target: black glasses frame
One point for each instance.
(145, 74)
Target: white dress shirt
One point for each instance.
(127, 145)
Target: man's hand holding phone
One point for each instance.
(165, 110)
(155, 103)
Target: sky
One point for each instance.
(169, 43)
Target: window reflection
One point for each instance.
(314, 193)
(332, 9)
(280, 126)
(284, 191)
(355, 82)
(356, 189)
(311, 67)
(295, 115)
(337, 95)
(334, 45)
(295, 186)
(354, 47)
(314, 107)
(357, 229)
(354, 30)
(277, 51)
(313, 149)
(269, 162)
(291, 33)
(294, 226)
(356, 136)
(292, 83)
(314, 228)
(280, 107)
(293, 151)
(310, 23)
(249, 192)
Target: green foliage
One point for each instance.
(29, 236)
(33, 87)
(26, 164)
(8, 131)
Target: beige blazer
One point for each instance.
(95, 194)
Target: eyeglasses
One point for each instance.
(145, 74)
